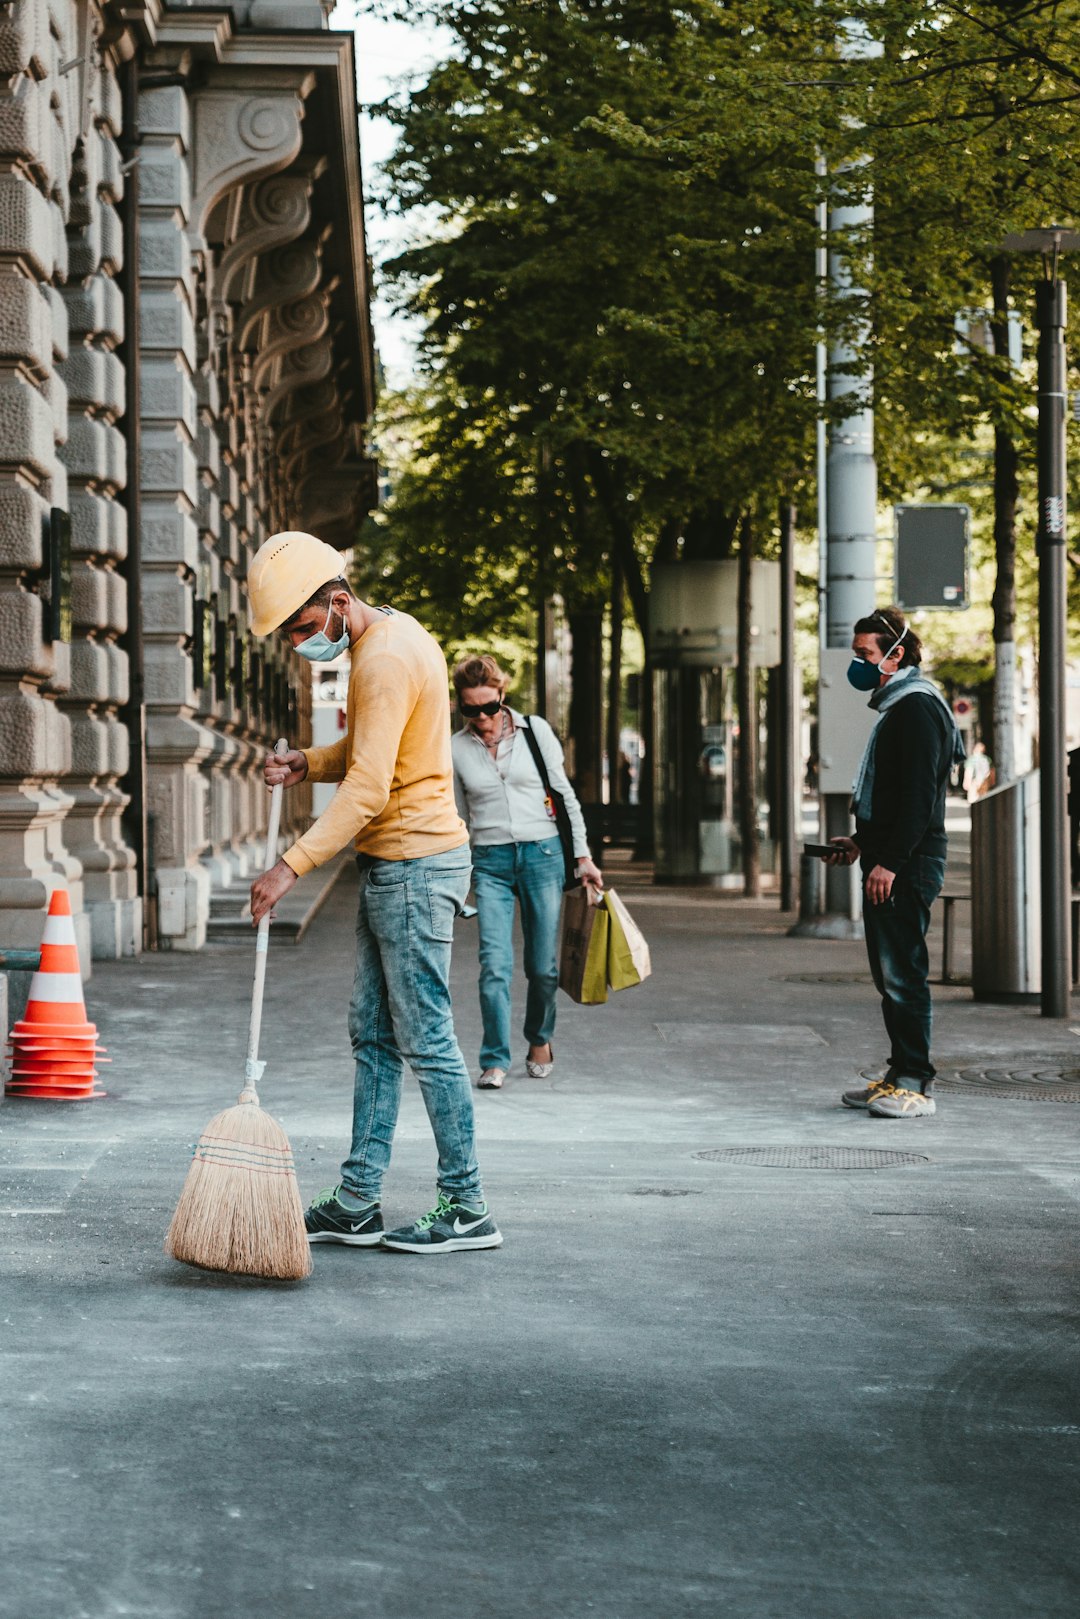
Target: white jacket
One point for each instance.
(513, 810)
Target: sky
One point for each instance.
(386, 54)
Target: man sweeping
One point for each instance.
(395, 803)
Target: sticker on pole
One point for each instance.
(1053, 517)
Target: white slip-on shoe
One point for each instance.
(540, 1070)
(491, 1079)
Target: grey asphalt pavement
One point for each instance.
(686, 1385)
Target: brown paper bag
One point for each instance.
(583, 950)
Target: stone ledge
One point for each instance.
(230, 918)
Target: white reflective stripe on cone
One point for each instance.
(66, 987)
(58, 930)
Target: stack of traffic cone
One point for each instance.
(53, 1047)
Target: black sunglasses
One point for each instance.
(472, 711)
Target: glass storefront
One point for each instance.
(697, 760)
(696, 764)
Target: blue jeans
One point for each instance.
(401, 1013)
(532, 874)
(900, 964)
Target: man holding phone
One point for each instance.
(899, 809)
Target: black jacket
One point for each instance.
(912, 761)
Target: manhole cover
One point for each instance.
(811, 1157)
(824, 978)
(1014, 1084)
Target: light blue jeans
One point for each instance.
(401, 1013)
(532, 875)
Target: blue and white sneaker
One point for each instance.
(327, 1220)
(447, 1229)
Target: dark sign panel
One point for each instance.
(932, 556)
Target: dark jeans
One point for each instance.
(900, 965)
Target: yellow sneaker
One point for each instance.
(897, 1102)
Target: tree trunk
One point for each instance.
(746, 680)
(1006, 492)
(622, 535)
(614, 708)
(587, 700)
(541, 682)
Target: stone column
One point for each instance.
(199, 149)
(95, 458)
(35, 737)
(176, 742)
(247, 136)
(271, 212)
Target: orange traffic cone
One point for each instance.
(53, 1048)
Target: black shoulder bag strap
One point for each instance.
(558, 804)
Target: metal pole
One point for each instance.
(788, 715)
(851, 471)
(1050, 312)
(821, 270)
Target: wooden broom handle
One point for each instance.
(252, 1067)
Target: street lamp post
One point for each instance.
(1053, 765)
(1050, 315)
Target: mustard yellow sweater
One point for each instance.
(396, 793)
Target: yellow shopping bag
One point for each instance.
(583, 954)
(628, 961)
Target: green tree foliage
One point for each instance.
(623, 273)
(614, 269)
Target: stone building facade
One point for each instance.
(185, 366)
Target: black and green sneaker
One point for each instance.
(327, 1220)
(450, 1227)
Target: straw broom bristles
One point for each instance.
(240, 1208)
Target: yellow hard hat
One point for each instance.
(284, 573)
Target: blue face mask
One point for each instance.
(862, 675)
(318, 648)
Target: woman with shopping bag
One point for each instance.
(528, 842)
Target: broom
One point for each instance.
(240, 1208)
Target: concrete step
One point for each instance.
(230, 919)
(229, 901)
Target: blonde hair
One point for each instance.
(480, 670)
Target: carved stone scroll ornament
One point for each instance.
(281, 277)
(291, 328)
(309, 364)
(240, 137)
(317, 436)
(274, 212)
(332, 497)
